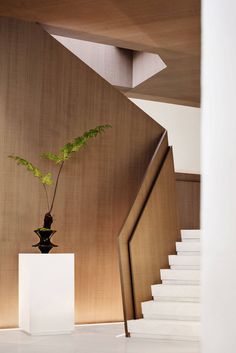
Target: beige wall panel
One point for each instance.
(188, 200)
(8, 295)
(47, 97)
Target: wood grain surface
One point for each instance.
(154, 236)
(169, 28)
(47, 97)
(131, 222)
(188, 200)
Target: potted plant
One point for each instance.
(45, 233)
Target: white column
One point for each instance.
(219, 176)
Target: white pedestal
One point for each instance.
(46, 293)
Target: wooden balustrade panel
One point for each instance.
(131, 221)
(47, 97)
(188, 200)
(155, 235)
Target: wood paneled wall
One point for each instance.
(188, 200)
(47, 97)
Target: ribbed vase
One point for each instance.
(44, 244)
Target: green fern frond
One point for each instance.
(81, 141)
(51, 156)
(74, 146)
(45, 179)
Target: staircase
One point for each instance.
(174, 312)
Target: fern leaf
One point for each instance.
(36, 172)
(75, 145)
(50, 156)
(81, 141)
(45, 179)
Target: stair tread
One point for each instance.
(185, 267)
(188, 246)
(180, 274)
(171, 310)
(163, 290)
(184, 260)
(190, 236)
(191, 233)
(188, 253)
(171, 276)
(171, 329)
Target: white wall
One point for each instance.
(112, 63)
(183, 126)
(219, 176)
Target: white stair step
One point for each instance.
(171, 310)
(188, 253)
(178, 262)
(186, 247)
(190, 235)
(182, 267)
(165, 329)
(184, 260)
(180, 276)
(187, 293)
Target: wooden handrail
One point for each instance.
(155, 156)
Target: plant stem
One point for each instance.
(56, 185)
(45, 189)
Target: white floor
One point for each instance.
(89, 339)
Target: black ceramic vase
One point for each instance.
(44, 243)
